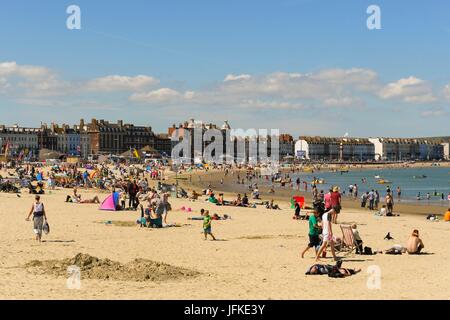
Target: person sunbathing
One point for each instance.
(335, 271)
(75, 198)
(93, 200)
(272, 206)
(415, 244)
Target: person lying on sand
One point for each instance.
(335, 271)
(215, 216)
(272, 205)
(415, 244)
(75, 197)
(396, 249)
(87, 201)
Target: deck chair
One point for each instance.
(348, 242)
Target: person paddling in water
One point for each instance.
(38, 212)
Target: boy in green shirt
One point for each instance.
(207, 225)
(314, 240)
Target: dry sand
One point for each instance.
(257, 257)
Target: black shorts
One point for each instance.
(314, 241)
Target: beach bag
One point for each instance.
(46, 227)
(368, 251)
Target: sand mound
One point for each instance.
(105, 269)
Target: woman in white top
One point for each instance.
(327, 234)
(39, 217)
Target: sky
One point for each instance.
(305, 67)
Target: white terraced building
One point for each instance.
(401, 149)
(19, 139)
(334, 149)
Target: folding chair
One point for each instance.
(348, 242)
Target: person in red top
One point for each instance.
(335, 200)
(327, 199)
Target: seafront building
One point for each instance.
(17, 138)
(400, 149)
(101, 137)
(95, 138)
(334, 149)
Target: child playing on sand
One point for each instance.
(359, 242)
(207, 225)
(123, 200)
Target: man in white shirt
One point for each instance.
(327, 234)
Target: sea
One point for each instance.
(414, 183)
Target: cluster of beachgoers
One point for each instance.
(147, 189)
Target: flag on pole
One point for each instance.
(136, 154)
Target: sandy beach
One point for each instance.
(257, 255)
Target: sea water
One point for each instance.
(437, 182)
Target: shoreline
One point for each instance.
(200, 181)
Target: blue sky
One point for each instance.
(305, 66)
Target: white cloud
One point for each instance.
(12, 69)
(435, 112)
(121, 83)
(335, 88)
(163, 95)
(411, 90)
(232, 77)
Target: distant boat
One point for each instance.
(377, 177)
(420, 177)
(382, 181)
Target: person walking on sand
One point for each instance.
(335, 203)
(207, 225)
(327, 234)
(39, 217)
(314, 241)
